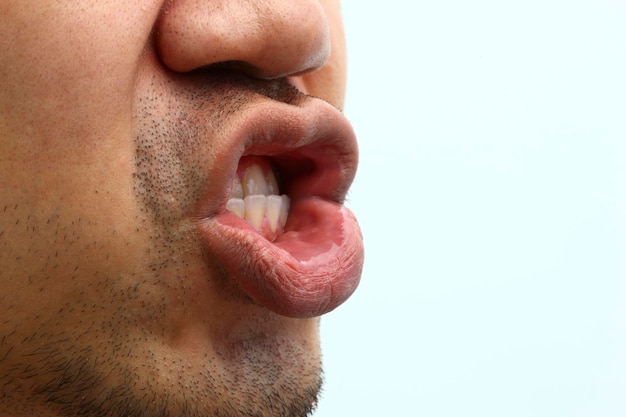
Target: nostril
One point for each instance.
(242, 67)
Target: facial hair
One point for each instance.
(106, 370)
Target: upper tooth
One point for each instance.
(236, 190)
(272, 184)
(254, 182)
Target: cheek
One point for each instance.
(67, 78)
(68, 70)
(66, 85)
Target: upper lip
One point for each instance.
(311, 145)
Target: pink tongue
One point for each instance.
(309, 270)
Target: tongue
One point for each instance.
(309, 270)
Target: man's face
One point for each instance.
(130, 133)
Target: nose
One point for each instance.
(266, 39)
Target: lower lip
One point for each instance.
(309, 270)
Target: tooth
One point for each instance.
(272, 210)
(255, 197)
(254, 182)
(284, 210)
(255, 210)
(272, 183)
(237, 190)
(236, 205)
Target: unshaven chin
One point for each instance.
(169, 333)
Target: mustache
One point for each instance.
(227, 81)
(173, 142)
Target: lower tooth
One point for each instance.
(284, 210)
(272, 211)
(237, 206)
(255, 210)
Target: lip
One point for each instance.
(316, 264)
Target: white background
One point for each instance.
(492, 198)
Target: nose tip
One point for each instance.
(266, 39)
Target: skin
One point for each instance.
(102, 312)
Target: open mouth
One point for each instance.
(282, 231)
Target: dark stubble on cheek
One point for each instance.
(174, 165)
(112, 368)
(176, 133)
